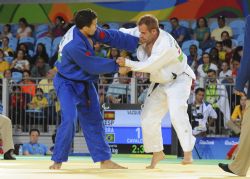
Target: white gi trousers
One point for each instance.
(170, 97)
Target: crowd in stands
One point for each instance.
(29, 51)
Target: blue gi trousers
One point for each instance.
(74, 97)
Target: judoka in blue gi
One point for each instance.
(78, 70)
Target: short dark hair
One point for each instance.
(84, 18)
(227, 43)
(211, 71)
(174, 18)
(150, 21)
(199, 89)
(8, 26)
(34, 130)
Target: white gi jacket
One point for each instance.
(165, 62)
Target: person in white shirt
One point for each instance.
(24, 30)
(171, 77)
(226, 73)
(199, 114)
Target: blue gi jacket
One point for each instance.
(243, 75)
(76, 57)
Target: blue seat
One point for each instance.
(184, 23)
(14, 28)
(29, 41)
(114, 25)
(213, 25)
(17, 76)
(234, 43)
(41, 30)
(9, 59)
(55, 45)
(238, 27)
(193, 25)
(1, 27)
(47, 41)
(167, 26)
(13, 43)
(187, 44)
(240, 39)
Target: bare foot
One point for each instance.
(188, 159)
(55, 166)
(109, 164)
(157, 156)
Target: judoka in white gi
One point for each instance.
(171, 78)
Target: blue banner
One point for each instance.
(213, 147)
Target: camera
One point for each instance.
(199, 116)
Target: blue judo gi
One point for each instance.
(78, 70)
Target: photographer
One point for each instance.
(199, 112)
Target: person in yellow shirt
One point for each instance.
(4, 65)
(38, 101)
(46, 84)
(216, 33)
(5, 47)
(236, 119)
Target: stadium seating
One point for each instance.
(238, 27)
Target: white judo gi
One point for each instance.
(167, 66)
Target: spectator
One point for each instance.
(41, 52)
(17, 107)
(202, 34)
(6, 32)
(27, 52)
(59, 28)
(179, 32)
(235, 66)
(119, 92)
(216, 94)
(38, 101)
(193, 58)
(227, 47)
(222, 53)
(201, 114)
(114, 53)
(207, 65)
(236, 119)
(40, 69)
(214, 56)
(27, 86)
(161, 26)
(4, 65)
(225, 35)
(225, 74)
(20, 63)
(46, 84)
(216, 33)
(5, 47)
(33, 147)
(24, 30)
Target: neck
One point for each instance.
(198, 102)
(84, 33)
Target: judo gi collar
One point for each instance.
(85, 41)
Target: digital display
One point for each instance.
(124, 133)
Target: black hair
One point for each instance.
(227, 43)
(198, 90)
(34, 130)
(84, 18)
(197, 22)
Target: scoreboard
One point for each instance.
(123, 129)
